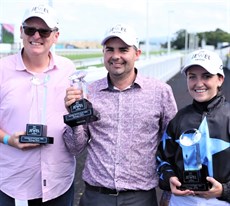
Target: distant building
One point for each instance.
(79, 45)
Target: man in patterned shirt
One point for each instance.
(120, 167)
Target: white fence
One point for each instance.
(160, 67)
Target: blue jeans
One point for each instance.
(67, 199)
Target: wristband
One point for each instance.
(6, 138)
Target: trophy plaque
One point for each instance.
(36, 133)
(194, 174)
(81, 111)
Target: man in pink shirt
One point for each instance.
(120, 167)
(32, 89)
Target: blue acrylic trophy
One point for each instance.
(195, 173)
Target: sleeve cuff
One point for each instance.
(226, 192)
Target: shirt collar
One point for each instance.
(106, 83)
(20, 66)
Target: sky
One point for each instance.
(154, 19)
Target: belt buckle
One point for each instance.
(115, 194)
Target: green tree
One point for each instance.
(211, 38)
(179, 41)
(215, 37)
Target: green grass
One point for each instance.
(83, 56)
(97, 55)
(86, 67)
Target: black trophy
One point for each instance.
(194, 174)
(37, 133)
(82, 111)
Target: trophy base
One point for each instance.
(196, 187)
(195, 180)
(36, 140)
(81, 117)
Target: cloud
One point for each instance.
(89, 19)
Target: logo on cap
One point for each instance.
(117, 29)
(43, 11)
(201, 56)
(124, 32)
(209, 60)
(40, 9)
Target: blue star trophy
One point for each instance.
(82, 111)
(195, 173)
(36, 131)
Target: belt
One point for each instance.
(105, 190)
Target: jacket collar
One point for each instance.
(208, 106)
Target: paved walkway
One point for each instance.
(178, 84)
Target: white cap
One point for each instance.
(209, 60)
(124, 32)
(43, 11)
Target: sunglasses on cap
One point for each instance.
(44, 33)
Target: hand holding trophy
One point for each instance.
(36, 133)
(81, 111)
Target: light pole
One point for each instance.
(187, 37)
(50, 3)
(186, 41)
(169, 31)
(147, 29)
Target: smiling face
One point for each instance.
(202, 85)
(36, 45)
(119, 58)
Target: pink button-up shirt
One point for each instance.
(47, 171)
